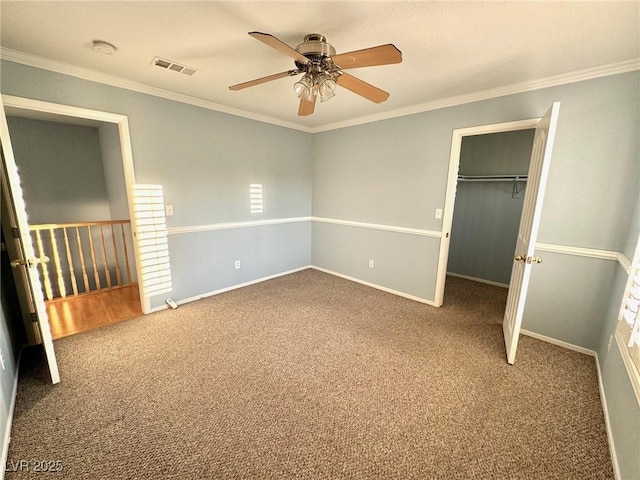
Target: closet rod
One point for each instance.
(492, 178)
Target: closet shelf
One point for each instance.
(492, 178)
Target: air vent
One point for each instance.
(176, 67)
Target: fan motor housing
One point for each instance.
(315, 48)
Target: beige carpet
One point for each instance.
(311, 376)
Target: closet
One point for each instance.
(491, 182)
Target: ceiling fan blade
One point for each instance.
(258, 81)
(362, 88)
(306, 106)
(279, 45)
(369, 57)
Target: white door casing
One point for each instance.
(25, 245)
(529, 226)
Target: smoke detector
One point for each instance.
(101, 46)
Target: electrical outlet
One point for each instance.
(370, 263)
(438, 213)
(237, 264)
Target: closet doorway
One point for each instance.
(491, 182)
(492, 178)
(531, 210)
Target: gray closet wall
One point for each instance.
(486, 216)
(62, 162)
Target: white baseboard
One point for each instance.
(560, 343)
(12, 406)
(227, 289)
(479, 280)
(252, 282)
(373, 285)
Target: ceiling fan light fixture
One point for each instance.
(326, 87)
(322, 69)
(304, 87)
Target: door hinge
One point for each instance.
(34, 317)
(16, 232)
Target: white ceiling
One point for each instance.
(450, 49)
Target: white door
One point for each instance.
(23, 259)
(528, 233)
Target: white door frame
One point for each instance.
(452, 184)
(122, 121)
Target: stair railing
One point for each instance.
(86, 256)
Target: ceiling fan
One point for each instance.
(323, 69)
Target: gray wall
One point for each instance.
(112, 166)
(62, 162)
(486, 216)
(384, 173)
(502, 153)
(205, 161)
(115, 185)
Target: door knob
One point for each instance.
(524, 258)
(17, 263)
(32, 262)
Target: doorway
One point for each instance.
(73, 187)
(116, 129)
(492, 179)
(453, 183)
(491, 183)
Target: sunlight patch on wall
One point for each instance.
(256, 198)
(151, 236)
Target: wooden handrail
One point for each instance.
(96, 246)
(47, 226)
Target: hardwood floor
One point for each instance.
(86, 312)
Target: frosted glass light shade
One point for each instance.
(304, 87)
(326, 87)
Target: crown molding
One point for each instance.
(553, 81)
(112, 80)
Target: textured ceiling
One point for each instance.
(449, 48)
